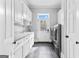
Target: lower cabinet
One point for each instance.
(23, 47)
(31, 42)
(26, 49)
(28, 46)
(18, 53)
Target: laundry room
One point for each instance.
(39, 28)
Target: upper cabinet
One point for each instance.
(23, 16)
(22, 11)
(27, 14)
(18, 12)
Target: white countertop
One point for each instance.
(21, 35)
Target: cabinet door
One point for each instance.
(26, 48)
(31, 41)
(2, 26)
(30, 15)
(18, 53)
(18, 28)
(24, 11)
(27, 14)
(8, 19)
(76, 39)
(71, 27)
(18, 11)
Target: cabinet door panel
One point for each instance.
(26, 48)
(2, 26)
(2, 19)
(8, 19)
(18, 11)
(18, 53)
(31, 41)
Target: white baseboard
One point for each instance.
(62, 55)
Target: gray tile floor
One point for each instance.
(42, 50)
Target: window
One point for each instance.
(42, 16)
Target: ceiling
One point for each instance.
(44, 3)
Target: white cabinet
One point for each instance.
(12, 15)
(31, 41)
(8, 19)
(22, 16)
(18, 53)
(27, 13)
(26, 48)
(23, 46)
(18, 11)
(18, 21)
(71, 28)
(28, 45)
(2, 25)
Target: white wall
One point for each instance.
(53, 18)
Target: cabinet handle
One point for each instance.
(14, 42)
(77, 42)
(67, 36)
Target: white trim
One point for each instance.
(62, 55)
